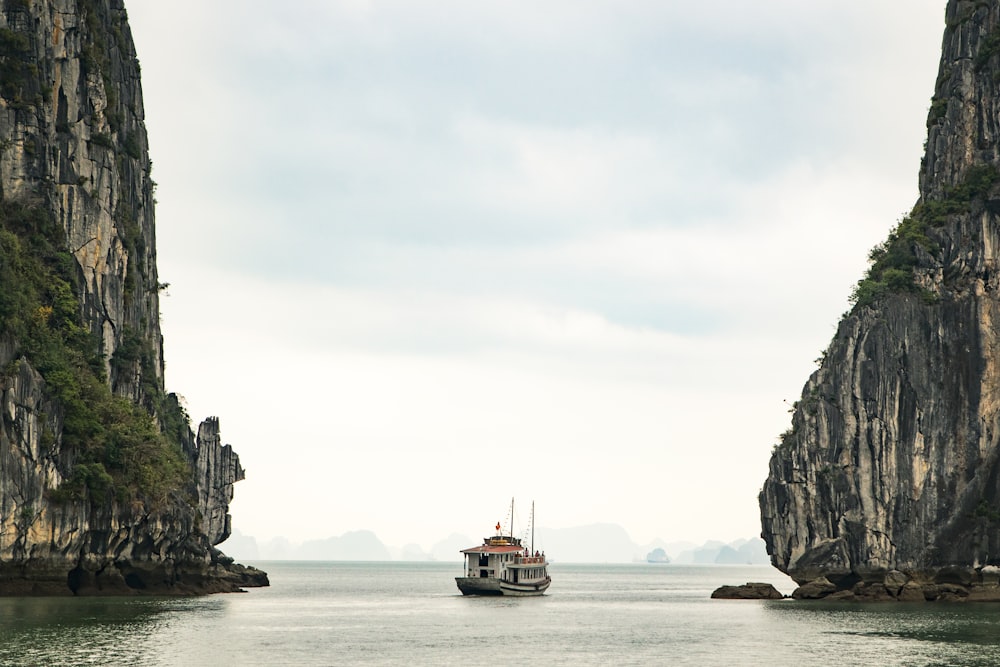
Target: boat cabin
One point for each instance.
(526, 569)
(490, 559)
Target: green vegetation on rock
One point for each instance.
(938, 110)
(116, 447)
(988, 47)
(893, 262)
(18, 74)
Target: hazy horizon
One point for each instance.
(597, 543)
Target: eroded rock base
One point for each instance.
(946, 585)
(47, 578)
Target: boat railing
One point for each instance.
(529, 560)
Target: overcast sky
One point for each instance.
(426, 256)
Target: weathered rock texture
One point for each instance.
(749, 591)
(73, 142)
(887, 485)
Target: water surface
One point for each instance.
(319, 613)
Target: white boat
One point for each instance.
(502, 566)
(525, 576)
(485, 564)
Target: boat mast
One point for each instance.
(512, 519)
(532, 527)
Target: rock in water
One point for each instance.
(104, 487)
(749, 591)
(815, 589)
(892, 461)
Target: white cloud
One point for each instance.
(410, 243)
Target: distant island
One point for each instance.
(657, 555)
(596, 543)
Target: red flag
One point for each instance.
(498, 527)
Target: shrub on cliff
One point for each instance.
(116, 447)
(893, 263)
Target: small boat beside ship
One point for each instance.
(502, 566)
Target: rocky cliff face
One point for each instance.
(887, 484)
(86, 504)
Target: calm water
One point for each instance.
(412, 614)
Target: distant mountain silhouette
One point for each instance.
(595, 543)
(450, 547)
(243, 545)
(357, 545)
(740, 552)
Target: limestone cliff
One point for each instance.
(103, 485)
(887, 484)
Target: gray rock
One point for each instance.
(872, 592)
(73, 143)
(748, 591)
(894, 581)
(892, 461)
(911, 592)
(990, 575)
(816, 589)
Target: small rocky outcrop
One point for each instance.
(887, 484)
(748, 591)
(104, 486)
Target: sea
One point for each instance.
(398, 613)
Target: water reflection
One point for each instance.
(22, 613)
(76, 631)
(958, 634)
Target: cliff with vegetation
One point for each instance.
(887, 484)
(104, 488)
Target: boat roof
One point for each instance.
(494, 549)
(496, 544)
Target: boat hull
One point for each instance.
(478, 585)
(525, 589)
